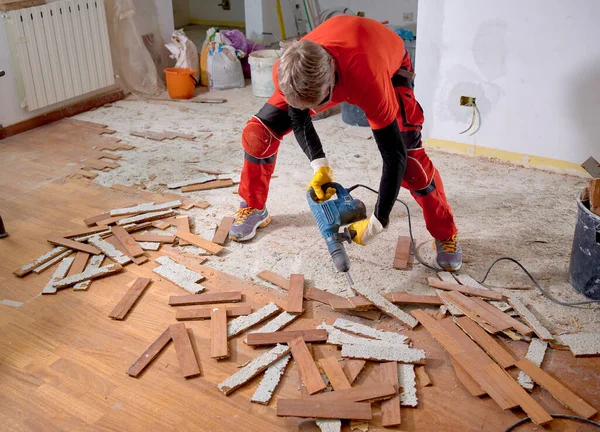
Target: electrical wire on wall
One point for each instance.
(476, 116)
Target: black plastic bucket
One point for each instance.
(584, 270)
(353, 115)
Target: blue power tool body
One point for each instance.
(333, 214)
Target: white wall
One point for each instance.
(210, 10)
(533, 66)
(181, 13)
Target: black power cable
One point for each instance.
(557, 416)
(537, 285)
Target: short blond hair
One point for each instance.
(306, 74)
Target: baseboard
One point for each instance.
(217, 23)
(61, 113)
(523, 159)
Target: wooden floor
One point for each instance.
(63, 361)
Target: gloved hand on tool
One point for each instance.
(365, 230)
(322, 175)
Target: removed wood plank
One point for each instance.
(352, 368)
(449, 286)
(60, 272)
(145, 208)
(127, 241)
(109, 250)
(531, 320)
(72, 244)
(85, 231)
(407, 380)
(222, 232)
(79, 263)
(94, 262)
(470, 384)
(406, 298)
(309, 372)
(390, 309)
(277, 323)
(129, 299)
(535, 354)
(275, 279)
(487, 342)
(146, 217)
(253, 368)
(270, 381)
(582, 344)
(259, 339)
(295, 294)
(494, 311)
(197, 180)
(183, 224)
(391, 338)
(362, 393)
(91, 221)
(153, 238)
(537, 414)
(243, 323)
(150, 354)
(472, 310)
(404, 254)
(390, 409)
(88, 274)
(332, 368)
(179, 274)
(356, 303)
(423, 376)
(149, 246)
(327, 410)
(381, 352)
(206, 298)
(204, 313)
(119, 246)
(219, 345)
(86, 173)
(557, 390)
(50, 263)
(207, 245)
(215, 184)
(447, 277)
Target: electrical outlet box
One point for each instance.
(467, 101)
(408, 17)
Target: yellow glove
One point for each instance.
(322, 175)
(365, 230)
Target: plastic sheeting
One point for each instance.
(136, 46)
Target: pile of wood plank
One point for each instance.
(329, 392)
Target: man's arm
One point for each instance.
(393, 152)
(305, 133)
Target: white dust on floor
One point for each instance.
(500, 209)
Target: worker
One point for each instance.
(361, 62)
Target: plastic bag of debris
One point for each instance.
(225, 69)
(184, 51)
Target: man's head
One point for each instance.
(306, 74)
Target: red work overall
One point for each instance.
(388, 96)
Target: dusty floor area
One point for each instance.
(500, 209)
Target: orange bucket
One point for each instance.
(181, 82)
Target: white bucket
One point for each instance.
(261, 67)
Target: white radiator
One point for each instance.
(62, 50)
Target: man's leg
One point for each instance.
(260, 139)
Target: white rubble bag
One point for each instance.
(184, 51)
(224, 69)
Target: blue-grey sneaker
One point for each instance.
(449, 254)
(247, 221)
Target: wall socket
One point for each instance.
(467, 101)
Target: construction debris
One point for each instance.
(363, 330)
(131, 296)
(380, 352)
(53, 261)
(109, 250)
(423, 376)
(329, 425)
(39, 261)
(151, 246)
(270, 381)
(277, 323)
(331, 410)
(243, 323)
(582, 344)
(94, 263)
(60, 272)
(387, 307)
(146, 217)
(407, 382)
(145, 208)
(88, 274)
(527, 316)
(179, 274)
(535, 354)
(253, 368)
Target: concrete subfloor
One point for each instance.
(500, 209)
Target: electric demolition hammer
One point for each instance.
(333, 214)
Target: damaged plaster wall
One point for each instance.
(534, 68)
